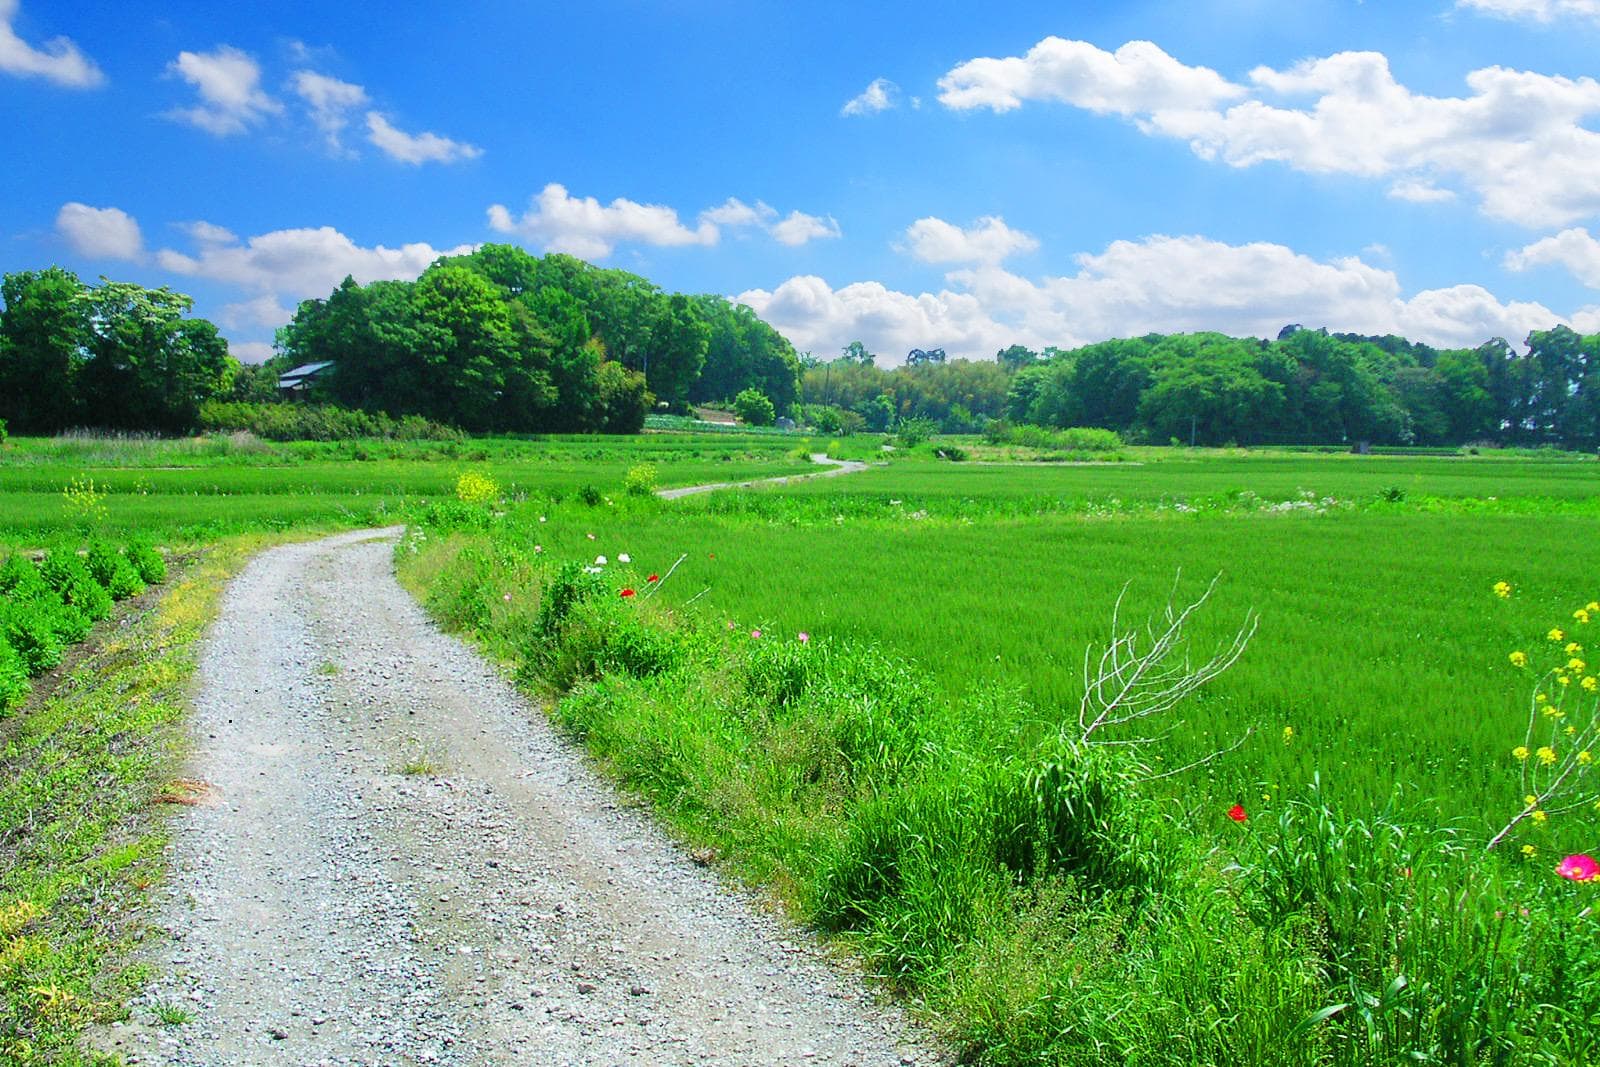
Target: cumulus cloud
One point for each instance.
(1573, 249)
(228, 82)
(263, 310)
(881, 94)
(1156, 284)
(1419, 191)
(58, 61)
(100, 232)
(416, 148)
(587, 228)
(988, 240)
(330, 102)
(1534, 10)
(294, 263)
(798, 228)
(1517, 140)
(1138, 78)
(250, 351)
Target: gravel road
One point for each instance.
(400, 862)
(833, 467)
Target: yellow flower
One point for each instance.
(1541, 698)
(1584, 758)
(1573, 648)
(1590, 684)
(1528, 850)
(1288, 734)
(1520, 752)
(1592, 607)
(1562, 679)
(1555, 635)
(1539, 816)
(1581, 615)
(1529, 801)
(1519, 659)
(1576, 664)
(1551, 711)
(1546, 754)
(1502, 589)
(1570, 730)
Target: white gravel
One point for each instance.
(498, 906)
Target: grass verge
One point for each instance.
(82, 770)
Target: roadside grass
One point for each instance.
(900, 778)
(81, 770)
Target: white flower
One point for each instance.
(622, 557)
(591, 570)
(599, 561)
(543, 519)
(538, 549)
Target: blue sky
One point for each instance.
(910, 174)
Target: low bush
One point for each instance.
(146, 562)
(13, 677)
(318, 422)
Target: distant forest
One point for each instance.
(504, 341)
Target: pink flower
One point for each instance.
(730, 624)
(1236, 813)
(755, 634)
(804, 637)
(1579, 868)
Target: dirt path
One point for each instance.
(402, 863)
(834, 467)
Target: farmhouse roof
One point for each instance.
(298, 377)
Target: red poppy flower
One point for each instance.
(627, 592)
(653, 578)
(1236, 813)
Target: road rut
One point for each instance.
(400, 862)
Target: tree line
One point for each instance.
(1303, 387)
(502, 340)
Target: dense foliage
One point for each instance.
(503, 340)
(316, 422)
(115, 355)
(1305, 387)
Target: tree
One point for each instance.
(624, 399)
(1016, 357)
(856, 352)
(753, 407)
(678, 341)
(148, 368)
(42, 335)
(918, 357)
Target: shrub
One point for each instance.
(590, 495)
(4, 436)
(111, 570)
(317, 422)
(477, 489)
(912, 432)
(19, 577)
(145, 560)
(754, 407)
(641, 480)
(13, 677)
(29, 627)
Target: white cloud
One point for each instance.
(988, 240)
(584, 227)
(1535, 10)
(1419, 191)
(59, 60)
(1138, 78)
(418, 148)
(263, 310)
(1573, 249)
(250, 351)
(229, 84)
(330, 102)
(100, 232)
(1156, 284)
(881, 94)
(1518, 140)
(295, 263)
(798, 228)
(735, 212)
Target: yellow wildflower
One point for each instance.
(1519, 659)
(1502, 589)
(1590, 684)
(1581, 615)
(1570, 730)
(1555, 635)
(1539, 816)
(1529, 801)
(1592, 607)
(1528, 850)
(1573, 648)
(1576, 664)
(1562, 679)
(1584, 758)
(1288, 734)
(1520, 752)
(1541, 698)
(1546, 754)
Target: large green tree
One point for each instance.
(42, 338)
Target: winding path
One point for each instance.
(834, 467)
(400, 862)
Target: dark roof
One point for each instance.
(298, 376)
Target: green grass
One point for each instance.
(193, 491)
